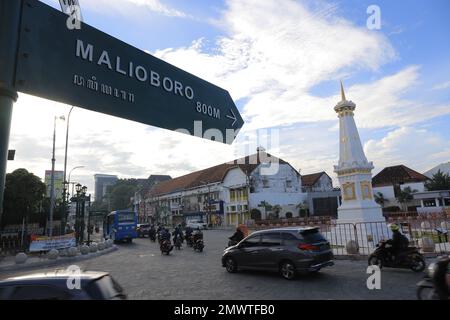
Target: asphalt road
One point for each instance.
(146, 274)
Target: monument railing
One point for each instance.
(429, 234)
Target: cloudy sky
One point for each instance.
(281, 61)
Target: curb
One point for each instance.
(62, 260)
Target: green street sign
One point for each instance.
(93, 70)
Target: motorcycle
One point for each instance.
(435, 285)
(152, 236)
(166, 247)
(178, 243)
(189, 241)
(199, 245)
(412, 258)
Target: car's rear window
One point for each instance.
(312, 236)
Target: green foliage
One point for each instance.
(380, 199)
(24, 196)
(119, 195)
(405, 195)
(439, 181)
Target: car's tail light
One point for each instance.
(308, 247)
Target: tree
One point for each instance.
(380, 199)
(405, 196)
(255, 214)
(303, 209)
(439, 181)
(24, 196)
(119, 195)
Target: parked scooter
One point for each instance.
(412, 258)
(436, 284)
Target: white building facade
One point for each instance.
(229, 194)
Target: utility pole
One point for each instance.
(10, 13)
(52, 182)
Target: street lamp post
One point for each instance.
(64, 213)
(77, 214)
(70, 172)
(52, 182)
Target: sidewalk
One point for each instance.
(8, 263)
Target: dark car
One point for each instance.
(285, 250)
(143, 229)
(59, 285)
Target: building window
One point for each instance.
(429, 203)
(288, 184)
(232, 195)
(265, 183)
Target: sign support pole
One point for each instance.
(10, 13)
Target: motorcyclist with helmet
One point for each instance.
(399, 243)
(177, 233)
(197, 235)
(188, 235)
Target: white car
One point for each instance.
(194, 224)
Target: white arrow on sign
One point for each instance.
(233, 117)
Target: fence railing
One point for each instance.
(430, 235)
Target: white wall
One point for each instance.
(277, 182)
(324, 184)
(275, 198)
(419, 186)
(387, 191)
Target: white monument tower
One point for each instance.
(355, 177)
(354, 171)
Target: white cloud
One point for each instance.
(442, 86)
(419, 149)
(131, 6)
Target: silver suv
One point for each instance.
(285, 250)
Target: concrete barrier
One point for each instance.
(21, 258)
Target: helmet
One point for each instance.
(393, 227)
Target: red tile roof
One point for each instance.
(397, 175)
(211, 175)
(308, 180)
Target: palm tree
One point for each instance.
(380, 199)
(276, 209)
(405, 196)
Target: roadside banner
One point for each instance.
(44, 243)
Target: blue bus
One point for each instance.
(120, 226)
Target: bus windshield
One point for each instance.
(125, 217)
